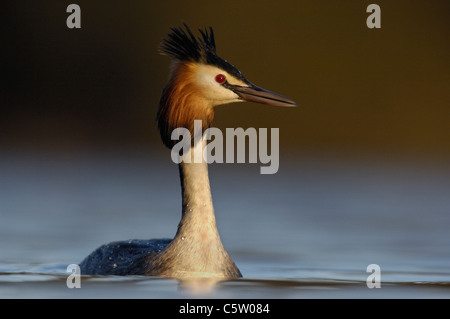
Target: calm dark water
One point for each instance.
(309, 231)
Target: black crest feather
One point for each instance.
(181, 44)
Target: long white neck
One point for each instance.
(196, 250)
(196, 191)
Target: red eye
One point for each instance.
(220, 78)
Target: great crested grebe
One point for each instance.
(199, 81)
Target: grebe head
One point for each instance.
(200, 80)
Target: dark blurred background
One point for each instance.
(360, 90)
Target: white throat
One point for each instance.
(196, 251)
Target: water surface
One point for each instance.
(309, 231)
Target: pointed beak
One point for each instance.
(256, 94)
